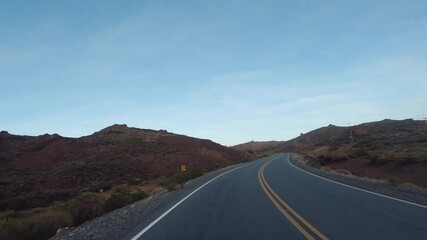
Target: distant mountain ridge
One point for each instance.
(254, 146)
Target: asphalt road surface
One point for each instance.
(272, 199)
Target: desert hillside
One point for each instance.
(395, 150)
(73, 180)
(116, 152)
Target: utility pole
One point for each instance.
(351, 132)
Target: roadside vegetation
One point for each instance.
(172, 181)
(39, 214)
(49, 182)
(395, 151)
(37, 218)
(392, 150)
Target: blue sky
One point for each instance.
(230, 71)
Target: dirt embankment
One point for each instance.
(405, 191)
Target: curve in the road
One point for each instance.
(284, 208)
(255, 202)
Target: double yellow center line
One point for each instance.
(285, 209)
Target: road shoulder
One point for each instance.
(406, 192)
(126, 222)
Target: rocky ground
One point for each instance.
(408, 192)
(121, 223)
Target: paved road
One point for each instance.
(271, 199)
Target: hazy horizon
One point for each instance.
(227, 71)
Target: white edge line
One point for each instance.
(363, 190)
(177, 204)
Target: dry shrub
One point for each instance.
(38, 226)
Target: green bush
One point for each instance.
(339, 157)
(314, 163)
(39, 226)
(176, 178)
(394, 181)
(194, 173)
(117, 200)
(121, 199)
(139, 195)
(358, 152)
(332, 157)
(85, 208)
(35, 199)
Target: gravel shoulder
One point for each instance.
(126, 222)
(407, 192)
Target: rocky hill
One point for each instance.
(395, 150)
(116, 152)
(50, 174)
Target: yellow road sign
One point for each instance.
(183, 168)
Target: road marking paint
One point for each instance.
(269, 191)
(283, 211)
(363, 190)
(317, 232)
(182, 200)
